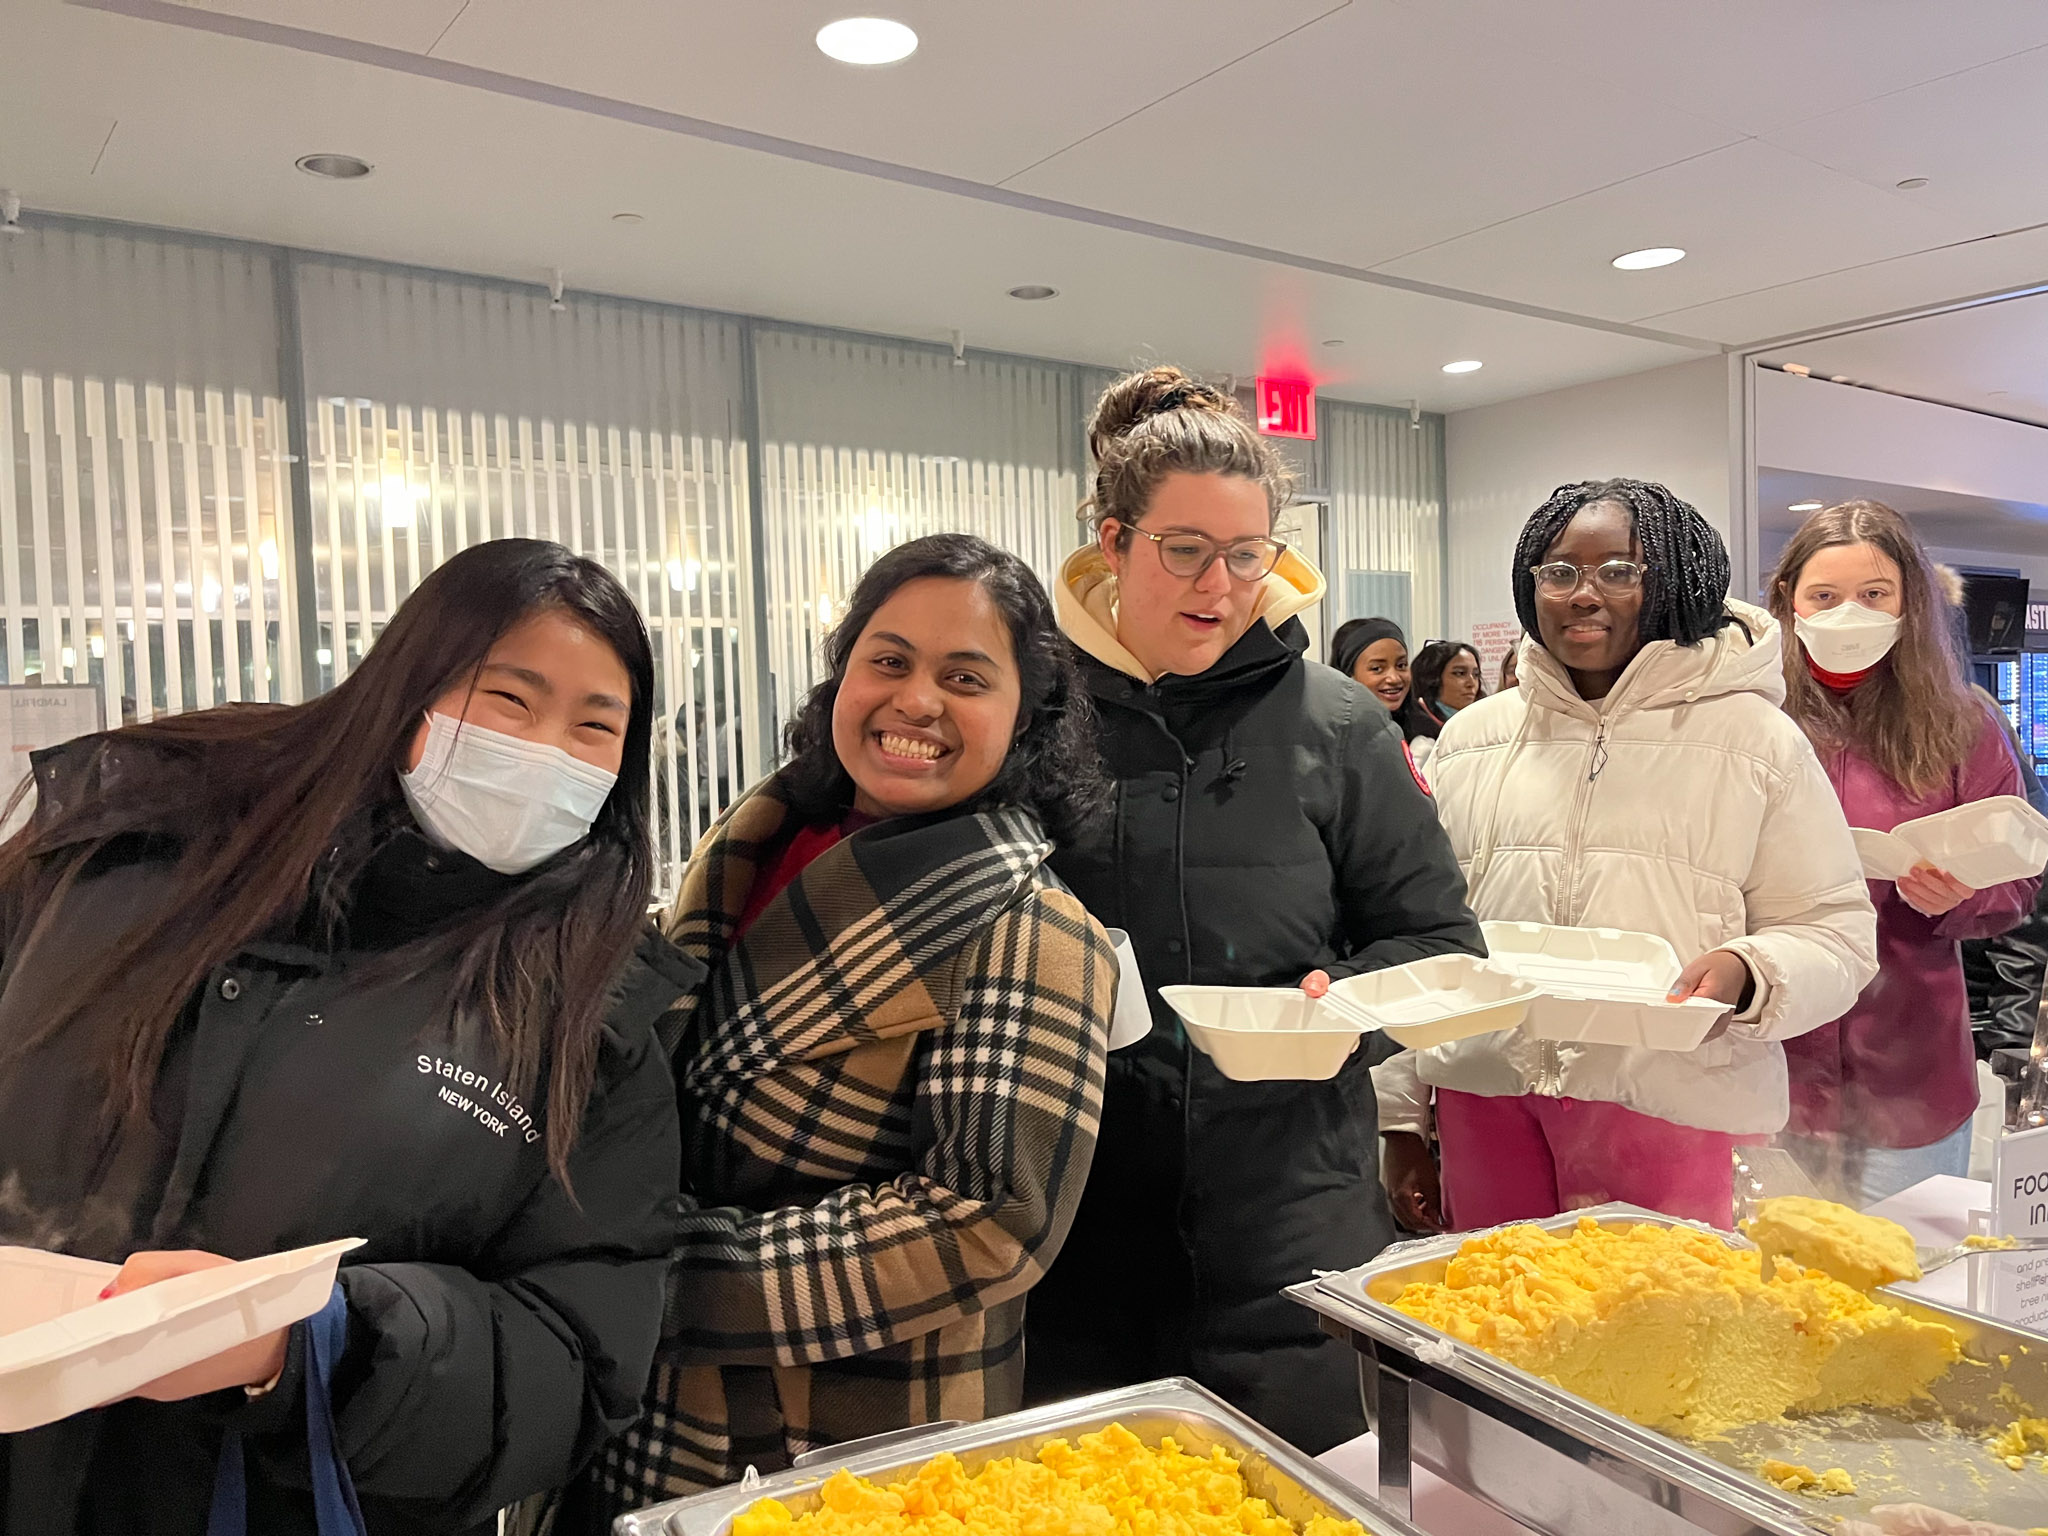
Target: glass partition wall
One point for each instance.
(223, 466)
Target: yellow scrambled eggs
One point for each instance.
(1104, 1484)
(1672, 1328)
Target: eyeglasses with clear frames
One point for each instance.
(1613, 578)
(1190, 554)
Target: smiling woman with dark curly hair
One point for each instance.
(890, 1084)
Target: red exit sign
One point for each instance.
(1287, 407)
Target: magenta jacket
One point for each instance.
(1898, 1070)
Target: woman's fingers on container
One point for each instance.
(1931, 892)
(148, 1267)
(1720, 974)
(1316, 983)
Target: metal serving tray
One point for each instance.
(1197, 1419)
(1559, 1464)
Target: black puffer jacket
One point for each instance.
(497, 1330)
(1266, 823)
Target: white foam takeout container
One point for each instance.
(1434, 1001)
(1984, 843)
(1601, 986)
(1265, 1034)
(62, 1350)
(1596, 986)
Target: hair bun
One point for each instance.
(1137, 397)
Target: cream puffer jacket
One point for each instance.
(1686, 803)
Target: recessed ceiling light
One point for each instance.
(1804, 506)
(334, 167)
(1801, 369)
(1034, 291)
(1912, 183)
(1994, 391)
(626, 218)
(1469, 365)
(867, 40)
(1334, 341)
(1653, 256)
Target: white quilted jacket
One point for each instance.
(1687, 804)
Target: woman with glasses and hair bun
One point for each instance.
(1266, 826)
(1642, 777)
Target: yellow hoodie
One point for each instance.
(1086, 599)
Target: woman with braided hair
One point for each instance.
(1642, 777)
(1266, 826)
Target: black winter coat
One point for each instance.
(1266, 823)
(498, 1331)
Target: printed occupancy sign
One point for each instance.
(1493, 639)
(2019, 1208)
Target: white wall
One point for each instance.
(1862, 434)
(1503, 461)
(2033, 567)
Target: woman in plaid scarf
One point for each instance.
(891, 1082)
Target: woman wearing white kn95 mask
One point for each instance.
(374, 966)
(1883, 1097)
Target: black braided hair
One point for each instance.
(1685, 581)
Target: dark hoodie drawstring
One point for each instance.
(1234, 767)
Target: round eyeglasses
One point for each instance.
(1612, 578)
(1190, 554)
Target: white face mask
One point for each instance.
(1848, 637)
(507, 803)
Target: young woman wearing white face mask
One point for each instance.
(376, 966)
(1883, 1097)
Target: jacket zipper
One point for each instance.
(1550, 1076)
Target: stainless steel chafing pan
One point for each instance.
(1561, 1465)
(1272, 1469)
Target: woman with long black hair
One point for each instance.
(376, 966)
(891, 1080)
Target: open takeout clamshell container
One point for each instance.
(62, 1350)
(1596, 986)
(1434, 1001)
(1266, 1034)
(1984, 843)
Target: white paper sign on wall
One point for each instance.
(35, 717)
(2019, 1208)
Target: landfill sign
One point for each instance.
(2019, 1208)
(35, 717)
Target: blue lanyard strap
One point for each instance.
(334, 1495)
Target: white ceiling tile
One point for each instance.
(724, 228)
(1751, 65)
(1980, 138)
(411, 25)
(990, 90)
(1374, 132)
(1868, 292)
(1748, 217)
